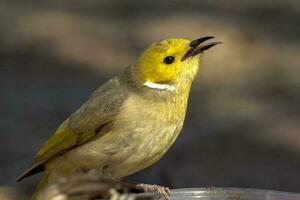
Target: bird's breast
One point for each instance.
(147, 129)
(141, 133)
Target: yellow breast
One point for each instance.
(143, 131)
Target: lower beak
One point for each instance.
(197, 47)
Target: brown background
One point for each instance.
(242, 127)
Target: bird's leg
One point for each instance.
(160, 190)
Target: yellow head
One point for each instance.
(171, 61)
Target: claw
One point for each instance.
(160, 190)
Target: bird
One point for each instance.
(130, 121)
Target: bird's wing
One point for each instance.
(93, 119)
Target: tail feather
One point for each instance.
(34, 169)
(41, 186)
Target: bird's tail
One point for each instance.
(41, 186)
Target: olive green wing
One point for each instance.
(93, 119)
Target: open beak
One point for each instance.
(196, 47)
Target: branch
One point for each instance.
(91, 187)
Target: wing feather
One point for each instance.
(93, 118)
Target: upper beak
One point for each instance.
(196, 48)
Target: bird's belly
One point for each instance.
(122, 151)
(138, 139)
(143, 148)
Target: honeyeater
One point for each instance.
(130, 121)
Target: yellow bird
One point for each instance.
(130, 121)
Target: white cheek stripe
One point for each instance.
(159, 86)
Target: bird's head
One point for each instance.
(169, 63)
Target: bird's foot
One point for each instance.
(160, 190)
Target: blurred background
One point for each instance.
(243, 122)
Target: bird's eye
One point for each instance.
(169, 59)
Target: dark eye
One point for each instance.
(169, 59)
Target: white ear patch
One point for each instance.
(159, 86)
